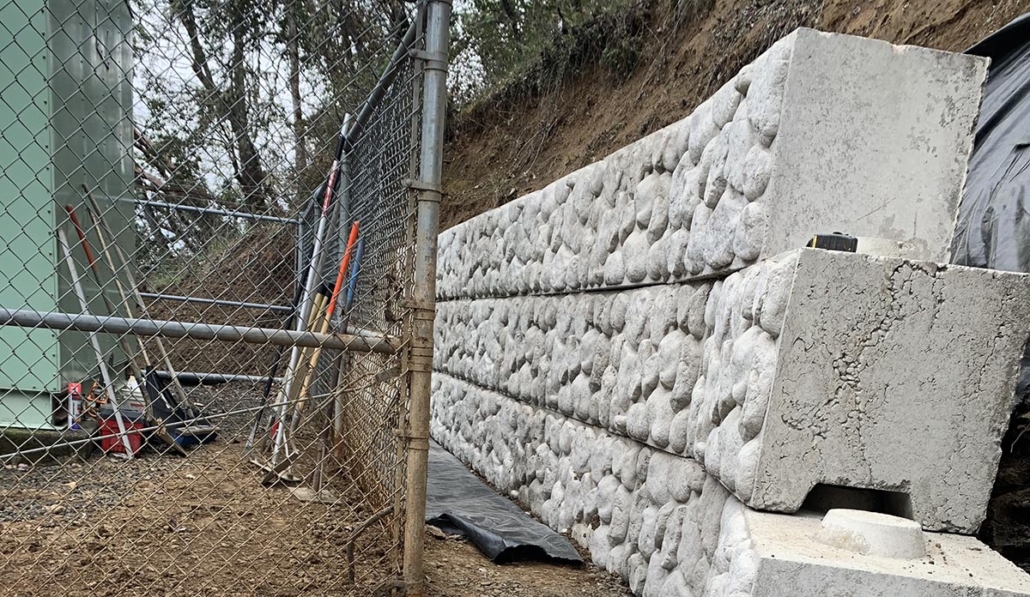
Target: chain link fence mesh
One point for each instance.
(162, 184)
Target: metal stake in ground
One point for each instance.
(105, 375)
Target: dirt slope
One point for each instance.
(497, 153)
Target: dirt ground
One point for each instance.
(164, 526)
(455, 568)
(203, 525)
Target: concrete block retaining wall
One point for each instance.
(811, 367)
(671, 530)
(821, 133)
(640, 354)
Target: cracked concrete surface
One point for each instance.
(917, 395)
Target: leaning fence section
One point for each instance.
(210, 223)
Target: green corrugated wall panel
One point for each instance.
(91, 85)
(65, 105)
(30, 363)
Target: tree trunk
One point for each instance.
(231, 104)
(251, 176)
(300, 153)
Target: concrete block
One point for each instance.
(863, 372)
(877, 350)
(816, 135)
(788, 553)
(667, 528)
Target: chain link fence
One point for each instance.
(210, 352)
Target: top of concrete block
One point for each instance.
(959, 561)
(872, 533)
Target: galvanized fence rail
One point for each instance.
(219, 237)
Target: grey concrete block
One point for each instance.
(815, 136)
(786, 552)
(720, 399)
(668, 528)
(863, 372)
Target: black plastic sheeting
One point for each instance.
(993, 228)
(458, 503)
(994, 221)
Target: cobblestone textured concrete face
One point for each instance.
(809, 368)
(823, 132)
(671, 530)
(643, 356)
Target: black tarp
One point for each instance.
(994, 231)
(994, 221)
(460, 504)
(993, 228)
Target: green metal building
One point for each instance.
(65, 105)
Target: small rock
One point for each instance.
(435, 532)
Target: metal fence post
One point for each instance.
(434, 108)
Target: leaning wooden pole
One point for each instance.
(105, 374)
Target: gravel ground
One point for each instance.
(68, 495)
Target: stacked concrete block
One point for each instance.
(855, 371)
(642, 354)
(655, 519)
(809, 368)
(671, 530)
(822, 132)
